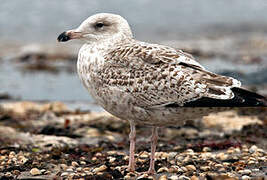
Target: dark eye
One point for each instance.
(99, 25)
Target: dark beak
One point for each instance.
(63, 37)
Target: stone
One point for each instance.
(163, 177)
(222, 156)
(64, 174)
(100, 169)
(194, 178)
(69, 170)
(183, 178)
(82, 162)
(74, 164)
(206, 149)
(253, 149)
(173, 177)
(163, 169)
(35, 171)
(245, 172)
(205, 168)
(190, 168)
(245, 177)
(63, 167)
(112, 159)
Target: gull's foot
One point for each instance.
(151, 171)
(131, 168)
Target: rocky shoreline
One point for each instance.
(50, 141)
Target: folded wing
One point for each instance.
(158, 76)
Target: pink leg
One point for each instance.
(132, 137)
(154, 139)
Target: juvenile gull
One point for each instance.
(149, 84)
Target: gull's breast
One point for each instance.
(89, 65)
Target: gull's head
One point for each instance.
(99, 27)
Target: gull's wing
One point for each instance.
(158, 75)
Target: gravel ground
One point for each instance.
(50, 141)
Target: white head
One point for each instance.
(99, 27)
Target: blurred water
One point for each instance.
(38, 20)
(41, 85)
(41, 21)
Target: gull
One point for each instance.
(149, 84)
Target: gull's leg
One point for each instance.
(132, 137)
(154, 139)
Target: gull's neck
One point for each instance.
(108, 43)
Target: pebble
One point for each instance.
(206, 155)
(222, 170)
(222, 156)
(184, 169)
(179, 158)
(127, 177)
(98, 154)
(143, 176)
(64, 174)
(35, 171)
(163, 177)
(82, 158)
(255, 170)
(86, 169)
(82, 162)
(112, 153)
(23, 160)
(43, 171)
(47, 172)
(144, 155)
(245, 172)
(205, 168)
(112, 159)
(245, 177)
(100, 169)
(237, 150)
(172, 162)
(172, 155)
(16, 172)
(8, 174)
(190, 151)
(218, 166)
(74, 164)
(206, 149)
(194, 178)
(63, 167)
(69, 170)
(190, 168)
(173, 169)
(173, 177)
(186, 159)
(2, 158)
(79, 169)
(163, 169)
(183, 178)
(126, 158)
(253, 149)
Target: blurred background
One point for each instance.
(229, 38)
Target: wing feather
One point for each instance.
(158, 75)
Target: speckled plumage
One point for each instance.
(149, 84)
(141, 79)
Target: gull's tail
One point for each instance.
(242, 98)
(248, 99)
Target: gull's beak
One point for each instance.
(68, 35)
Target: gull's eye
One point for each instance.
(99, 25)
